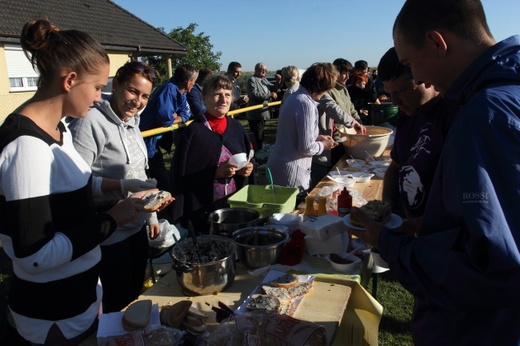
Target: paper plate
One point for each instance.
(395, 221)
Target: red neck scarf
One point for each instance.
(218, 125)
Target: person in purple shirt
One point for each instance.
(422, 125)
(463, 264)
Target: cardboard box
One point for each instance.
(336, 244)
(323, 227)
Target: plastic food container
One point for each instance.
(343, 263)
(266, 199)
(361, 177)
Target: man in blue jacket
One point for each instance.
(463, 264)
(168, 105)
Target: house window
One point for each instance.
(22, 77)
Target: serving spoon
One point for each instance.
(193, 235)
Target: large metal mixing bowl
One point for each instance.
(259, 246)
(227, 220)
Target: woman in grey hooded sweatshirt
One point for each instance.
(110, 141)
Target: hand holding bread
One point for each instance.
(369, 235)
(156, 200)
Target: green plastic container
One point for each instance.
(265, 199)
(382, 113)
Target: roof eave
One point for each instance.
(137, 49)
(144, 50)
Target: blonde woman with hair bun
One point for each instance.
(291, 78)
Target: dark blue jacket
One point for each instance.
(165, 100)
(195, 101)
(464, 266)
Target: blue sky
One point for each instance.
(298, 32)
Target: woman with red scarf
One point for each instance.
(202, 176)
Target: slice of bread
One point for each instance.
(379, 211)
(137, 315)
(286, 281)
(194, 312)
(285, 295)
(300, 289)
(285, 309)
(195, 321)
(279, 292)
(175, 314)
(264, 302)
(154, 200)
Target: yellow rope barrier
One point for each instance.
(159, 130)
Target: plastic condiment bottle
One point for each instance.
(309, 206)
(322, 206)
(344, 202)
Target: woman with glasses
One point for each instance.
(110, 141)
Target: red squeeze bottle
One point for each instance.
(344, 202)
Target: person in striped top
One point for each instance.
(50, 228)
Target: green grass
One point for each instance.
(397, 302)
(397, 305)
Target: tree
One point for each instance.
(200, 51)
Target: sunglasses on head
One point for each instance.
(140, 67)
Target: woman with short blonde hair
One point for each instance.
(291, 78)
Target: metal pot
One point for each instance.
(227, 220)
(259, 246)
(207, 269)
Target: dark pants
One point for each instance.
(318, 172)
(257, 128)
(122, 271)
(157, 169)
(336, 154)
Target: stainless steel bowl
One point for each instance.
(259, 246)
(227, 220)
(210, 269)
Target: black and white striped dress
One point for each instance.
(50, 230)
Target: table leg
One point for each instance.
(375, 277)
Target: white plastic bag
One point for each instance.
(169, 235)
